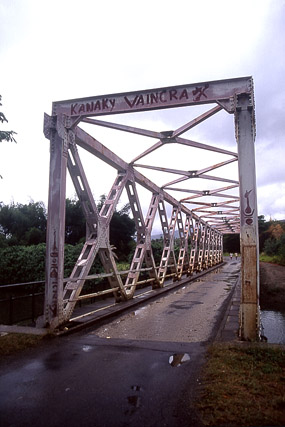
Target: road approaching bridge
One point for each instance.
(139, 369)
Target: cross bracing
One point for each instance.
(199, 217)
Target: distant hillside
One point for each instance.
(160, 236)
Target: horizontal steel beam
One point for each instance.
(152, 99)
(124, 128)
(90, 144)
(202, 146)
(196, 121)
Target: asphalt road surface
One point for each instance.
(140, 369)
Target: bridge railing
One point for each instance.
(23, 303)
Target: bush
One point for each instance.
(22, 264)
(275, 246)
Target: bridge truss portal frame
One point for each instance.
(203, 225)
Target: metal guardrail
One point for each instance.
(30, 305)
(21, 302)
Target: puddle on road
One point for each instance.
(87, 348)
(36, 364)
(140, 311)
(134, 401)
(178, 359)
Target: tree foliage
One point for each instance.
(25, 224)
(6, 135)
(22, 224)
(231, 243)
(20, 264)
(23, 235)
(75, 226)
(274, 240)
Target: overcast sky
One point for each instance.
(63, 49)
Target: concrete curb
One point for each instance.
(8, 329)
(229, 328)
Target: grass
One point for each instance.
(243, 385)
(274, 259)
(14, 343)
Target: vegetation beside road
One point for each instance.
(272, 286)
(243, 385)
(23, 236)
(13, 343)
(272, 259)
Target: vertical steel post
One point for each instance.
(53, 314)
(245, 135)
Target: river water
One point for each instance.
(273, 323)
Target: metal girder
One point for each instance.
(196, 144)
(160, 98)
(143, 249)
(183, 256)
(190, 175)
(245, 135)
(207, 247)
(201, 248)
(86, 141)
(124, 128)
(96, 244)
(194, 247)
(148, 151)
(196, 121)
(53, 311)
(168, 230)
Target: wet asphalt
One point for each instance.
(142, 371)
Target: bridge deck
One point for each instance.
(218, 283)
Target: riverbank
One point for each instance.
(272, 286)
(238, 374)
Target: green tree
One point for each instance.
(274, 245)
(5, 135)
(20, 264)
(231, 243)
(122, 230)
(122, 227)
(157, 248)
(262, 231)
(75, 225)
(23, 224)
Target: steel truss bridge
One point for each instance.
(199, 219)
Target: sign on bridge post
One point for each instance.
(245, 135)
(53, 312)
